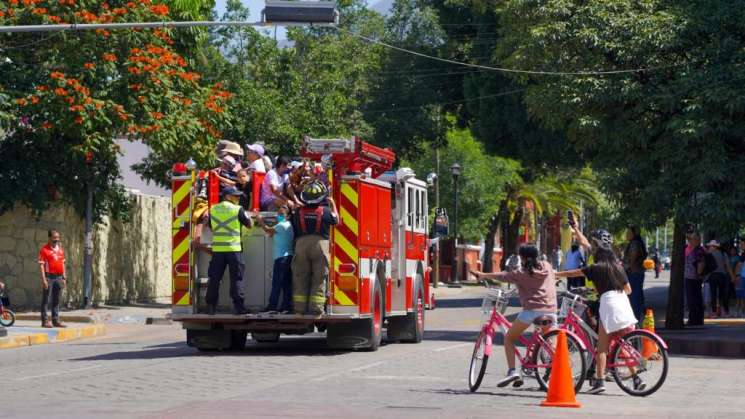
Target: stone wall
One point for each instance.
(131, 261)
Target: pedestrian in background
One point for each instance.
(657, 263)
(633, 263)
(575, 260)
(692, 274)
(740, 281)
(53, 280)
(719, 281)
(557, 257)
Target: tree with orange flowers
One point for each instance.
(66, 96)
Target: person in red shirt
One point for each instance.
(53, 280)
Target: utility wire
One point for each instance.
(510, 70)
(510, 92)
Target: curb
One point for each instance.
(63, 318)
(53, 336)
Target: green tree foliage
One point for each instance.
(481, 186)
(665, 139)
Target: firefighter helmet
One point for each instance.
(314, 193)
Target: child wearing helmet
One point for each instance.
(616, 314)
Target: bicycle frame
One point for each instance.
(574, 323)
(498, 322)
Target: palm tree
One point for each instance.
(550, 194)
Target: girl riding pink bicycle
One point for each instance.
(536, 287)
(615, 313)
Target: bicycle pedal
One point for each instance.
(518, 383)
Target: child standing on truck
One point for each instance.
(283, 235)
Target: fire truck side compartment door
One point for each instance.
(368, 208)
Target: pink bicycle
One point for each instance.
(637, 361)
(540, 347)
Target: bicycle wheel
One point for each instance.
(7, 318)
(543, 354)
(479, 359)
(640, 363)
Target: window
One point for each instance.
(409, 208)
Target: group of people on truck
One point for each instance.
(298, 193)
(281, 182)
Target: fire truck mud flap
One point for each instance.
(360, 334)
(409, 328)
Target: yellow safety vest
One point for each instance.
(226, 229)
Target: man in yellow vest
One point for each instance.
(310, 265)
(225, 219)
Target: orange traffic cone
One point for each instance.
(561, 384)
(649, 348)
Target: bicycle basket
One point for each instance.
(495, 298)
(577, 306)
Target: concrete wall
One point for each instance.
(131, 260)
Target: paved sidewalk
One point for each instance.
(717, 337)
(29, 333)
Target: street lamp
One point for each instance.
(433, 183)
(455, 171)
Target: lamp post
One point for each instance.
(433, 182)
(455, 171)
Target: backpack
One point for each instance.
(710, 264)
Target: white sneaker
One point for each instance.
(512, 375)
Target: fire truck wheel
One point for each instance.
(265, 337)
(237, 340)
(360, 334)
(409, 328)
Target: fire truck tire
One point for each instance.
(265, 337)
(214, 340)
(238, 340)
(409, 328)
(360, 334)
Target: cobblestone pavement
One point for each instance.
(148, 372)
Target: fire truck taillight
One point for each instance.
(181, 268)
(179, 169)
(347, 269)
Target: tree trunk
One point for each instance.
(674, 314)
(486, 261)
(504, 220)
(514, 230)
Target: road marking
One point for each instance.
(402, 378)
(367, 367)
(338, 373)
(447, 348)
(51, 374)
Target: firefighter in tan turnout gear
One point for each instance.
(310, 264)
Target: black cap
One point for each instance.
(231, 190)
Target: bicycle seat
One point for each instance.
(543, 320)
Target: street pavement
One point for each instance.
(147, 371)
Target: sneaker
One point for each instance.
(639, 385)
(518, 383)
(598, 386)
(512, 376)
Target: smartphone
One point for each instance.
(570, 219)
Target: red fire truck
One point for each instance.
(378, 278)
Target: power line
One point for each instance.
(511, 70)
(447, 103)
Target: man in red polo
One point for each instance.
(52, 266)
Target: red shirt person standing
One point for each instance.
(53, 280)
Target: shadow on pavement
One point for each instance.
(285, 347)
(537, 393)
(451, 335)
